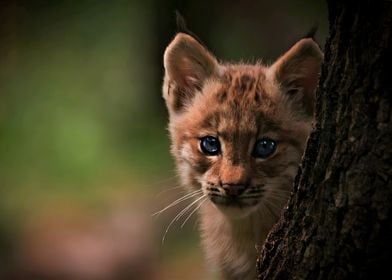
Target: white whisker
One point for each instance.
(279, 209)
(270, 210)
(279, 191)
(168, 189)
(194, 210)
(179, 200)
(179, 215)
(278, 196)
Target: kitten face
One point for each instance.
(239, 141)
(238, 131)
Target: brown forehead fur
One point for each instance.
(242, 102)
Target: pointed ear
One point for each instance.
(187, 66)
(297, 73)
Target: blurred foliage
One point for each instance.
(76, 97)
(81, 114)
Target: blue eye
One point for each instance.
(210, 145)
(264, 148)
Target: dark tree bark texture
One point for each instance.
(338, 221)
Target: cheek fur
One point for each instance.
(283, 163)
(196, 163)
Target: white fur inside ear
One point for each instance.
(188, 65)
(187, 62)
(297, 72)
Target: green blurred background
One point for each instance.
(84, 151)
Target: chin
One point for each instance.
(235, 208)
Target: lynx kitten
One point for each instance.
(238, 133)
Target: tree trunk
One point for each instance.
(338, 221)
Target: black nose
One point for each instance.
(234, 189)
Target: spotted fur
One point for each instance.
(238, 104)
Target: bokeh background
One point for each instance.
(84, 151)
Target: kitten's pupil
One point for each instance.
(210, 145)
(264, 148)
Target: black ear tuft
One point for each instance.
(181, 24)
(182, 28)
(312, 32)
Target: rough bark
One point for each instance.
(338, 221)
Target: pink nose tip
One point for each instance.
(234, 189)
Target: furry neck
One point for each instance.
(230, 243)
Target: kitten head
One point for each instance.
(238, 131)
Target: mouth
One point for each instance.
(233, 202)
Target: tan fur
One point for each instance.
(239, 104)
